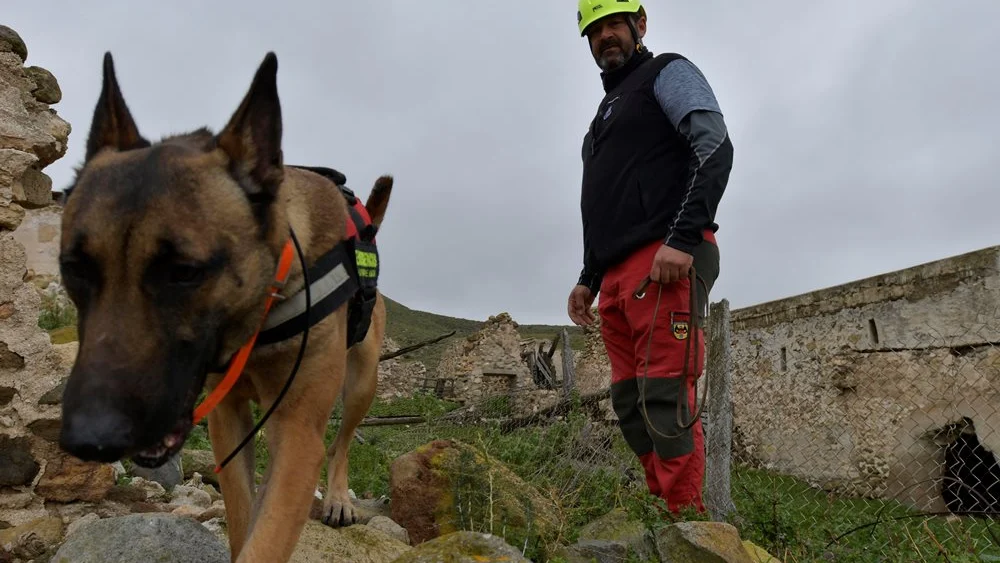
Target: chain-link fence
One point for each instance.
(869, 437)
(837, 437)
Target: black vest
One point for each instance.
(635, 166)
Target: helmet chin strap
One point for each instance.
(639, 47)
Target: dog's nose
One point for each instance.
(101, 435)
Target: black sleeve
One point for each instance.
(709, 167)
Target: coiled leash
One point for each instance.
(689, 351)
(239, 361)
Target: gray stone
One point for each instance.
(33, 190)
(391, 528)
(701, 542)
(596, 551)
(138, 538)
(463, 547)
(47, 88)
(54, 395)
(170, 474)
(11, 42)
(17, 466)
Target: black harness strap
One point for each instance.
(348, 273)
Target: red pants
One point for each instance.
(646, 407)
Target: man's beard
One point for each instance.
(609, 61)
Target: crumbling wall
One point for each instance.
(849, 387)
(487, 369)
(398, 378)
(34, 476)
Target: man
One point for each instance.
(656, 161)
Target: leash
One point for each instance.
(689, 350)
(239, 361)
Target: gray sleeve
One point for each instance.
(682, 88)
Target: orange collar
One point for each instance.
(240, 360)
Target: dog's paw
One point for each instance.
(340, 513)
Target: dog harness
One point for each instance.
(347, 273)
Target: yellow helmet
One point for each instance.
(589, 11)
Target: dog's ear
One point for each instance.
(112, 124)
(252, 138)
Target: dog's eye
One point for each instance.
(77, 269)
(185, 274)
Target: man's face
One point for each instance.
(611, 40)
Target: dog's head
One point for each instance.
(167, 250)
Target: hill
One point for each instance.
(409, 326)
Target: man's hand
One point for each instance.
(670, 265)
(579, 308)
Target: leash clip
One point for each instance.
(640, 292)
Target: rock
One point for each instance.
(11, 42)
(217, 526)
(54, 395)
(81, 523)
(184, 495)
(142, 538)
(391, 528)
(10, 218)
(152, 491)
(33, 190)
(170, 474)
(199, 461)
(615, 526)
(67, 479)
(6, 395)
(48, 529)
(758, 554)
(10, 360)
(701, 542)
(463, 547)
(359, 543)
(47, 88)
(17, 466)
(46, 429)
(595, 551)
(431, 484)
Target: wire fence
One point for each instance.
(837, 438)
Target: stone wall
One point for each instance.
(853, 388)
(398, 378)
(35, 478)
(487, 369)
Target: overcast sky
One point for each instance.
(864, 132)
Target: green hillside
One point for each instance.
(408, 326)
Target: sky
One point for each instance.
(864, 132)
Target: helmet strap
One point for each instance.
(639, 47)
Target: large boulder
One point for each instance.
(359, 543)
(136, 538)
(446, 486)
(463, 547)
(701, 542)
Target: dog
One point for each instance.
(173, 254)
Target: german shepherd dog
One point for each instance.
(169, 251)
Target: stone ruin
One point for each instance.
(36, 479)
(398, 378)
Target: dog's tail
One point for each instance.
(378, 199)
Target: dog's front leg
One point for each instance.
(295, 442)
(228, 424)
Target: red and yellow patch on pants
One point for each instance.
(647, 406)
